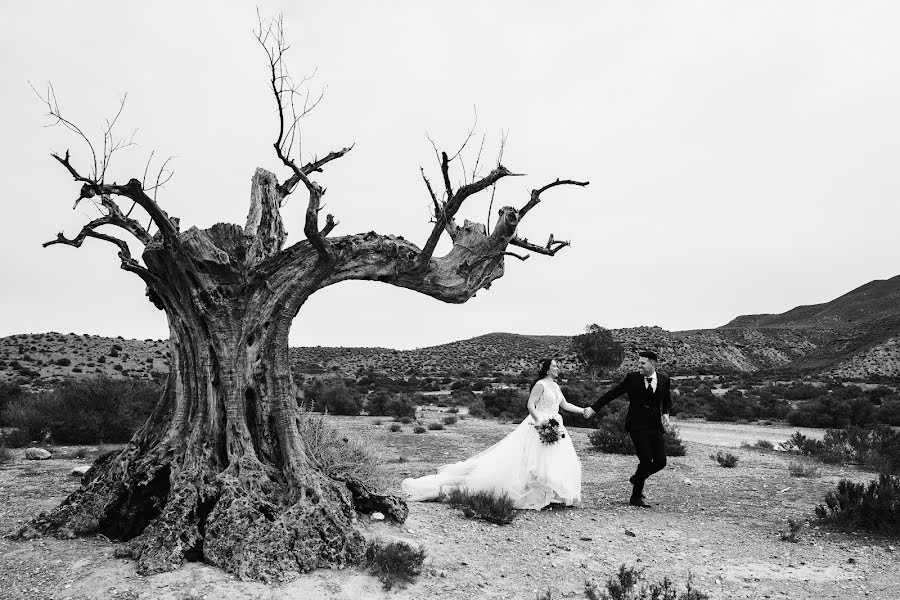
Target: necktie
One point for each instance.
(649, 383)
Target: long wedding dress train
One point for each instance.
(532, 473)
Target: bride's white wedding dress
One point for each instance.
(532, 473)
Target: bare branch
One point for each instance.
(552, 247)
(434, 200)
(503, 138)
(469, 135)
(53, 111)
(132, 190)
(128, 262)
(445, 216)
(330, 224)
(270, 35)
(445, 173)
(536, 194)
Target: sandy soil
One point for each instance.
(721, 525)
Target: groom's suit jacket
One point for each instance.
(645, 407)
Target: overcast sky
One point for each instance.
(743, 156)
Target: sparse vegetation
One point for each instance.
(877, 448)
(792, 533)
(725, 459)
(6, 455)
(800, 469)
(395, 427)
(855, 506)
(394, 563)
(628, 584)
(419, 429)
(450, 420)
(435, 426)
(337, 455)
(84, 411)
(486, 505)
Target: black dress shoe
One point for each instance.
(639, 502)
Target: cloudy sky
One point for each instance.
(742, 155)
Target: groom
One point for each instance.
(649, 401)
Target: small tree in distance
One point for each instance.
(597, 350)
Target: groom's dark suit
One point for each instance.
(644, 422)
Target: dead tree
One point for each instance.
(219, 472)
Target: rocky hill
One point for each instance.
(856, 336)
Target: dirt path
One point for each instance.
(721, 525)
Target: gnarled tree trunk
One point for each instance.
(220, 472)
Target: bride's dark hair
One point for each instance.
(543, 369)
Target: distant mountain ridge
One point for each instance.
(855, 336)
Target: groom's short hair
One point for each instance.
(648, 354)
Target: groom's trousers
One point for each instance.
(650, 447)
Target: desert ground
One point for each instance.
(719, 525)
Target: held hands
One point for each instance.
(588, 412)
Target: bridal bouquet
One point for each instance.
(550, 432)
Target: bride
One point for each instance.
(532, 473)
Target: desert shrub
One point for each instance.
(628, 584)
(486, 505)
(834, 410)
(889, 412)
(802, 444)
(435, 426)
(81, 453)
(15, 438)
(85, 411)
(338, 399)
(792, 533)
(394, 563)
(62, 362)
(9, 392)
(877, 448)
(764, 445)
(450, 420)
(419, 429)
(874, 507)
(453, 410)
(506, 403)
(5, 455)
(725, 459)
(799, 469)
(339, 456)
(396, 405)
(395, 427)
(610, 435)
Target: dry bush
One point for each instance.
(792, 533)
(854, 506)
(394, 562)
(340, 457)
(6, 456)
(725, 459)
(628, 584)
(486, 505)
(799, 469)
